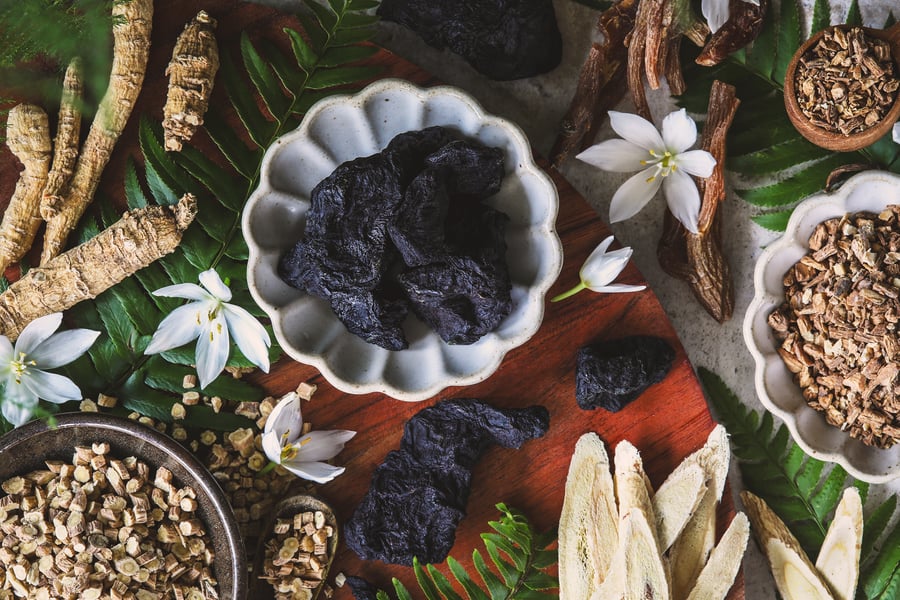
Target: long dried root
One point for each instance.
(743, 26)
(131, 243)
(132, 21)
(65, 146)
(195, 61)
(28, 136)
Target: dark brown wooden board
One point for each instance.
(668, 422)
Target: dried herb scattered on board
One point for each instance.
(699, 258)
(838, 325)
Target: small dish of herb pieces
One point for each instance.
(824, 326)
(402, 240)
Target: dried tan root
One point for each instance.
(655, 42)
(28, 137)
(65, 145)
(744, 24)
(718, 575)
(601, 83)
(132, 21)
(676, 500)
(588, 525)
(795, 576)
(637, 570)
(636, 52)
(131, 243)
(192, 70)
(838, 560)
(690, 551)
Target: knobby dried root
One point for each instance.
(65, 146)
(131, 243)
(194, 64)
(28, 137)
(601, 83)
(742, 27)
(131, 47)
(698, 258)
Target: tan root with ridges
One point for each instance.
(65, 145)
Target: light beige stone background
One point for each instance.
(537, 105)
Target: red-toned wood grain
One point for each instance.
(668, 422)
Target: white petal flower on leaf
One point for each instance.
(213, 322)
(600, 270)
(23, 367)
(302, 455)
(662, 161)
(717, 12)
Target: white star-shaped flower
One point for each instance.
(23, 368)
(212, 322)
(600, 270)
(302, 455)
(664, 161)
(717, 12)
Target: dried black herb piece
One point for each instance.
(362, 589)
(374, 317)
(417, 230)
(503, 39)
(470, 169)
(612, 373)
(418, 494)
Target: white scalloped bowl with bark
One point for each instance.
(871, 192)
(342, 128)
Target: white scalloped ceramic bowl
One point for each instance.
(870, 191)
(342, 128)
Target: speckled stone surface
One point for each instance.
(537, 105)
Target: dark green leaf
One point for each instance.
(242, 158)
(161, 192)
(442, 583)
(807, 181)
(761, 57)
(788, 38)
(116, 324)
(347, 37)
(358, 20)
(327, 78)
(854, 17)
(875, 525)
(878, 575)
(400, 589)
(237, 248)
(821, 17)
(230, 192)
(197, 249)
(143, 313)
(472, 590)
(155, 157)
(263, 78)
(258, 127)
(134, 194)
(306, 57)
(324, 15)
(495, 587)
(776, 158)
(826, 499)
(292, 77)
(343, 55)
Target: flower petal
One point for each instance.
(62, 348)
(716, 13)
(619, 156)
(683, 199)
(286, 416)
(213, 346)
(605, 272)
(249, 335)
(314, 471)
(634, 195)
(50, 386)
(6, 351)
(36, 332)
(620, 288)
(188, 291)
(322, 445)
(637, 130)
(181, 326)
(271, 444)
(211, 281)
(696, 162)
(679, 131)
(18, 407)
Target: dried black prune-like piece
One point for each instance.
(418, 494)
(612, 373)
(372, 316)
(362, 589)
(470, 168)
(407, 151)
(503, 39)
(417, 230)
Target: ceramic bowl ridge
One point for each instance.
(870, 191)
(342, 128)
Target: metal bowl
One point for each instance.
(26, 448)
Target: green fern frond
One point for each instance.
(520, 556)
(793, 485)
(794, 166)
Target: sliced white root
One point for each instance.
(637, 571)
(588, 525)
(675, 502)
(631, 491)
(838, 561)
(691, 549)
(795, 576)
(718, 575)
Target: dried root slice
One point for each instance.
(795, 576)
(588, 525)
(676, 500)
(131, 243)
(745, 22)
(65, 146)
(131, 47)
(631, 483)
(192, 70)
(718, 575)
(838, 560)
(28, 137)
(690, 551)
(637, 570)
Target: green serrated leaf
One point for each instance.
(821, 17)
(760, 57)
(788, 38)
(347, 37)
(161, 192)
(244, 159)
(854, 17)
(196, 248)
(400, 589)
(134, 194)
(326, 17)
(442, 583)
(265, 81)
(877, 577)
(472, 590)
(326, 78)
(495, 587)
(343, 55)
(230, 192)
(162, 164)
(355, 20)
(776, 158)
(826, 499)
(875, 525)
(257, 126)
(796, 187)
(115, 324)
(303, 52)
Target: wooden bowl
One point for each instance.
(832, 140)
